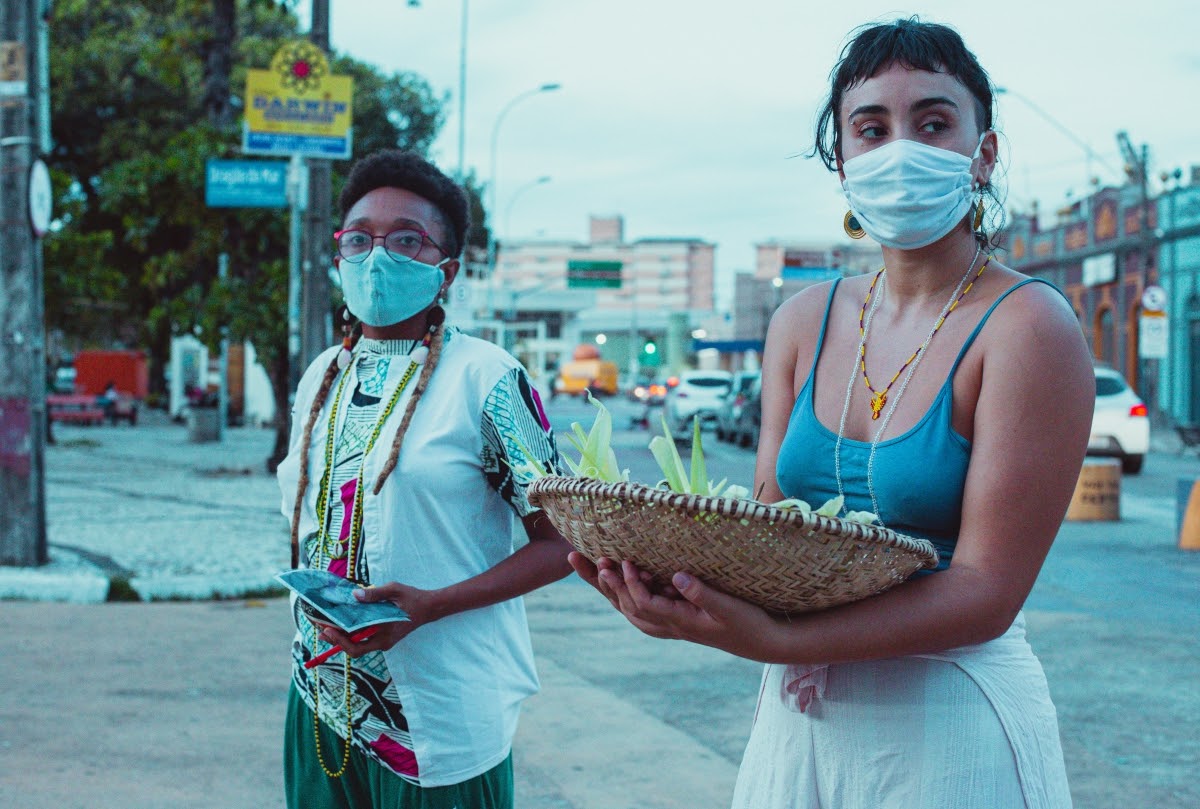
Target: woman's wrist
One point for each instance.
(439, 604)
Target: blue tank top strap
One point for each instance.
(821, 334)
(979, 326)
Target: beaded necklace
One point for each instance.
(333, 548)
(879, 398)
(325, 541)
(864, 328)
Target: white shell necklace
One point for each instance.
(854, 369)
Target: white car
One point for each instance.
(698, 393)
(1120, 423)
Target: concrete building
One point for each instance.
(781, 270)
(638, 301)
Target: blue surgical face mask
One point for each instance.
(381, 291)
(906, 194)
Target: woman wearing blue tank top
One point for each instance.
(951, 396)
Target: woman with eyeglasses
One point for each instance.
(952, 397)
(403, 476)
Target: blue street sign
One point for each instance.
(245, 184)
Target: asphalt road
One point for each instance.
(1113, 617)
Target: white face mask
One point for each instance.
(907, 194)
(381, 291)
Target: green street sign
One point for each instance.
(593, 274)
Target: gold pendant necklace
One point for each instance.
(860, 357)
(879, 397)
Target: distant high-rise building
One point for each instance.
(648, 292)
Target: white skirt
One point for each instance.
(971, 727)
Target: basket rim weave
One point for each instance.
(784, 560)
(554, 485)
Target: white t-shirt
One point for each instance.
(448, 695)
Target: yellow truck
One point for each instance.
(577, 376)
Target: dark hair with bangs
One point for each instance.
(909, 42)
(396, 168)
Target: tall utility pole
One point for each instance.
(1137, 167)
(316, 326)
(22, 328)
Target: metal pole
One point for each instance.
(634, 349)
(223, 386)
(462, 95)
(493, 185)
(45, 144)
(22, 327)
(298, 198)
(316, 325)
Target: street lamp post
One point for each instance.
(513, 201)
(462, 94)
(1062, 128)
(462, 87)
(493, 210)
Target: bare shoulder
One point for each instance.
(1033, 316)
(800, 316)
(1033, 344)
(807, 302)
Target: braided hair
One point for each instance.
(435, 338)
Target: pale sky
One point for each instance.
(689, 118)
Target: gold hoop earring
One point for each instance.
(851, 226)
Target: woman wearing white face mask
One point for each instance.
(402, 477)
(952, 397)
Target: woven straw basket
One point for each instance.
(780, 559)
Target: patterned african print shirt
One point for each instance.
(511, 416)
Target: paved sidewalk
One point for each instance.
(178, 703)
(145, 506)
(181, 706)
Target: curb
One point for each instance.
(71, 578)
(66, 578)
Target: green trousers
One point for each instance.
(367, 784)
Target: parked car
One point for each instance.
(731, 405)
(698, 393)
(651, 393)
(1120, 422)
(745, 430)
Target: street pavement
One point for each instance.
(177, 700)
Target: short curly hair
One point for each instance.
(397, 168)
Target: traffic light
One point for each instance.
(650, 355)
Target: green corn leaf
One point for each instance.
(663, 448)
(699, 473)
(832, 507)
(600, 437)
(794, 503)
(532, 468)
(596, 457)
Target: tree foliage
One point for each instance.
(134, 256)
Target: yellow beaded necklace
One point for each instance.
(333, 547)
(879, 398)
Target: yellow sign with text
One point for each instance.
(297, 107)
